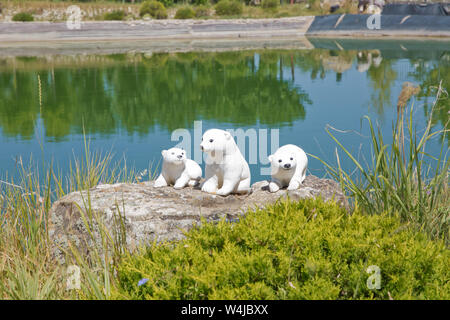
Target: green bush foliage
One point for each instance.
(229, 8)
(185, 13)
(161, 14)
(270, 4)
(291, 250)
(154, 8)
(201, 11)
(23, 16)
(167, 3)
(115, 15)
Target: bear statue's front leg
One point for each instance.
(160, 182)
(227, 187)
(294, 184)
(210, 185)
(211, 180)
(244, 186)
(181, 182)
(231, 179)
(274, 185)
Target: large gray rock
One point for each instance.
(144, 213)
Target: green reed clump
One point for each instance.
(402, 178)
(229, 8)
(26, 269)
(201, 11)
(270, 4)
(154, 8)
(27, 266)
(291, 250)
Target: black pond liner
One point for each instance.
(431, 9)
(357, 23)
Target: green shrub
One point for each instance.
(229, 8)
(23, 16)
(201, 11)
(161, 14)
(114, 15)
(185, 13)
(154, 8)
(291, 250)
(270, 4)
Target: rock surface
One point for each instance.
(152, 213)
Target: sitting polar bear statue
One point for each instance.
(226, 170)
(177, 170)
(288, 168)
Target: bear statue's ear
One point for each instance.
(227, 135)
(270, 158)
(163, 152)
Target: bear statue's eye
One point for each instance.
(173, 152)
(280, 160)
(211, 140)
(292, 158)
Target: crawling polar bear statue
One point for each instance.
(288, 168)
(226, 170)
(177, 170)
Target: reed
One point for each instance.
(401, 178)
(27, 267)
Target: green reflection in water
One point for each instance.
(139, 92)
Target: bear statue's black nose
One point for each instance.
(180, 156)
(201, 147)
(287, 165)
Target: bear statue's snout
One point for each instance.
(180, 156)
(287, 165)
(201, 147)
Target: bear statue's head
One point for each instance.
(174, 156)
(283, 161)
(217, 142)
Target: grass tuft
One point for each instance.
(402, 178)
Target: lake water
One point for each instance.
(132, 103)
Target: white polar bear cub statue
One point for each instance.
(226, 170)
(288, 168)
(177, 170)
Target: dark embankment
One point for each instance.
(389, 25)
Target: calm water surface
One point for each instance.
(131, 103)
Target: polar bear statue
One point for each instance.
(226, 170)
(177, 170)
(288, 168)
